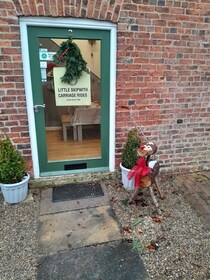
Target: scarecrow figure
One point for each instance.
(145, 172)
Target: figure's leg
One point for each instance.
(154, 200)
(158, 188)
(134, 195)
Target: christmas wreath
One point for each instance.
(70, 53)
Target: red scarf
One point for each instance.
(139, 171)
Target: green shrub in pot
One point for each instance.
(129, 157)
(12, 164)
(129, 154)
(13, 177)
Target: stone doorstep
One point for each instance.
(52, 181)
(76, 229)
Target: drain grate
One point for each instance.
(77, 191)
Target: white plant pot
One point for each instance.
(128, 184)
(14, 193)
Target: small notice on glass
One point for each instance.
(75, 94)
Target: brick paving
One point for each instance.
(195, 188)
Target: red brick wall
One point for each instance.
(163, 73)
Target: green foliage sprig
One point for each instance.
(12, 164)
(70, 53)
(129, 154)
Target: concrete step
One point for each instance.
(74, 229)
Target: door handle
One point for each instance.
(36, 107)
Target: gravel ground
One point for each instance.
(183, 250)
(18, 225)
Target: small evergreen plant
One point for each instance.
(129, 154)
(12, 164)
(70, 53)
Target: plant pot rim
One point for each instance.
(121, 166)
(26, 177)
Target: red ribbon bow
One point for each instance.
(60, 56)
(138, 171)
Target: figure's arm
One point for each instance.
(155, 167)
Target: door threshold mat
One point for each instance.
(77, 191)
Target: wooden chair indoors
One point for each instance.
(67, 122)
(83, 117)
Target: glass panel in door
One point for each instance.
(72, 131)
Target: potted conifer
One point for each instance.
(13, 176)
(129, 157)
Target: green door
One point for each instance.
(71, 137)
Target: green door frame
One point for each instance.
(58, 167)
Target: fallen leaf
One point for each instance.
(150, 246)
(139, 230)
(167, 215)
(126, 228)
(154, 245)
(161, 238)
(157, 219)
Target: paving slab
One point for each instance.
(110, 261)
(73, 229)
